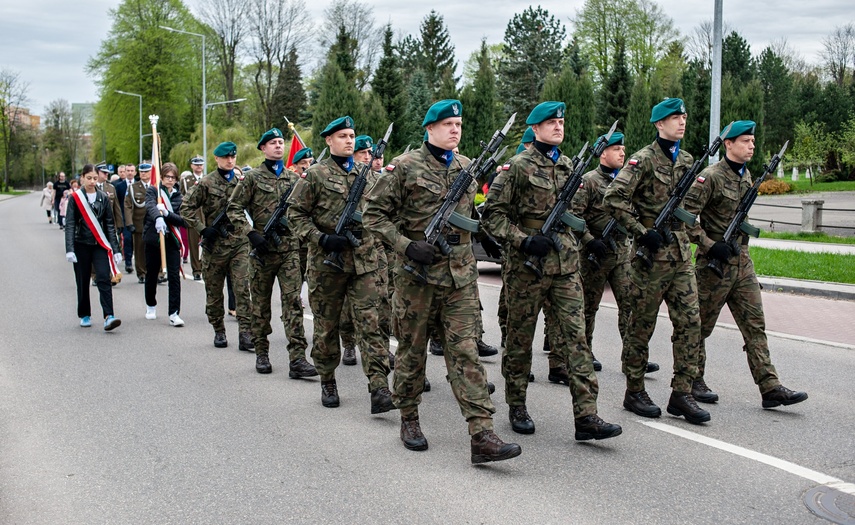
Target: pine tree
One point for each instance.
(578, 93)
(480, 108)
(389, 87)
(410, 57)
(342, 52)
(696, 95)
(437, 54)
(448, 88)
(289, 97)
(637, 128)
(419, 100)
(778, 100)
(616, 90)
(337, 97)
(736, 58)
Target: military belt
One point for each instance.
(676, 225)
(356, 233)
(743, 239)
(453, 239)
(534, 224)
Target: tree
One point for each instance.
(410, 56)
(337, 97)
(579, 117)
(696, 94)
(532, 48)
(388, 86)
(357, 18)
(637, 127)
(651, 31)
(289, 98)
(13, 98)
(699, 44)
(480, 105)
(736, 58)
(63, 135)
(616, 90)
(375, 121)
(473, 63)
(777, 85)
(419, 100)
(839, 53)
(437, 53)
(227, 29)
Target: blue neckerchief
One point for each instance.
(277, 167)
(345, 163)
(441, 155)
(447, 157)
(550, 152)
(553, 154)
(228, 175)
(669, 147)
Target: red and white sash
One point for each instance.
(174, 229)
(92, 222)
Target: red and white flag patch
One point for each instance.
(581, 185)
(633, 162)
(390, 167)
(701, 179)
(506, 167)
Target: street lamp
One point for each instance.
(140, 97)
(204, 93)
(235, 101)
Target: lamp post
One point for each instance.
(140, 97)
(35, 166)
(204, 93)
(715, 87)
(212, 104)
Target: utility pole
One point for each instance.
(715, 89)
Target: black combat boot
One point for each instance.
(652, 367)
(781, 395)
(300, 367)
(485, 350)
(640, 403)
(521, 422)
(559, 375)
(592, 427)
(683, 404)
(546, 346)
(530, 377)
(598, 366)
(435, 347)
(391, 361)
(702, 393)
(262, 364)
(411, 434)
(220, 340)
(329, 394)
(490, 387)
(349, 356)
(486, 446)
(427, 386)
(245, 342)
(381, 400)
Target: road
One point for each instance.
(152, 424)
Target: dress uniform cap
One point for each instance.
(145, 166)
(616, 139)
(528, 136)
(226, 149)
(270, 134)
(305, 153)
(545, 111)
(345, 122)
(666, 108)
(442, 110)
(741, 127)
(246, 168)
(197, 160)
(363, 142)
(104, 167)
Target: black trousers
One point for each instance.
(90, 258)
(127, 246)
(173, 273)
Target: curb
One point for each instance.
(839, 291)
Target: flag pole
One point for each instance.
(294, 130)
(156, 173)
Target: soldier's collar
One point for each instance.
(737, 167)
(670, 148)
(227, 174)
(443, 156)
(609, 172)
(549, 151)
(275, 166)
(345, 163)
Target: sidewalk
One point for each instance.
(804, 246)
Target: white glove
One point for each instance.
(162, 208)
(70, 257)
(117, 258)
(160, 225)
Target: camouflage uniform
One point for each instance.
(643, 185)
(346, 328)
(230, 255)
(614, 267)
(714, 196)
(399, 209)
(520, 199)
(316, 203)
(188, 183)
(259, 194)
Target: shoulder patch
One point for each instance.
(701, 179)
(581, 185)
(506, 167)
(633, 162)
(390, 167)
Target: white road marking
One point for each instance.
(786, 466)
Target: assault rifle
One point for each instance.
(484, 164)
(740, 220)
(220, 223)
(672, 209)
(271, 229)
(608, 238)
(320, 157)
(559, 217)
(350, 215)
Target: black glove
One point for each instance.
(421, 252)
(596, 247)
(491, 247)
(130, 228)
(258, 242)
(334, 243)
(651, 240)
(720, 250)
(536, 245)
(210, 234)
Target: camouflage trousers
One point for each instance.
(614, 269)
(740, 290)
(674, 282)
(561, 295)
(327, 294)
(454, 314)
(346, 329)
(232, 260)
(283, 267)
(550, 332)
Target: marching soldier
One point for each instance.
(259, 194)
(316, 203)
(135, 212)
(610, 261)
(399, 209)
(714, 196)
(518, 202)
(299, 164)
(642, 187)
(188, 182)
(229, 254)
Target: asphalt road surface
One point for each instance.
(152, 424)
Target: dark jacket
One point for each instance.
(150, 235)
(121, 186)
(76, 229)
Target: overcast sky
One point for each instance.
(50, 41)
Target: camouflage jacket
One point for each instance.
(316, 205)
(588, 204)
(259, 194)
(209, 198)
(405, 200)
(714, 196)
(188, 183)
(520, 199)
(644, 185)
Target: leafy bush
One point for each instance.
(775, 187)
(828, 176)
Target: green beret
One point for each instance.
(666, 108)
(270, 134)
(616, 138)
(305, 153)
(741, 127)
(520, 149)
(545, 111)
(363, 142)
(226, 149)
(528, 136)
(338, 124)
(442, 110)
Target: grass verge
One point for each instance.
(804, 186)
(14, 192)
(802, 265)
(809, 237)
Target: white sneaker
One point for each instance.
(150, 312)
(174, 320)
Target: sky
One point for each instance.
(50, 41)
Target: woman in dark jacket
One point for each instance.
(163, 219)
(91, 243)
